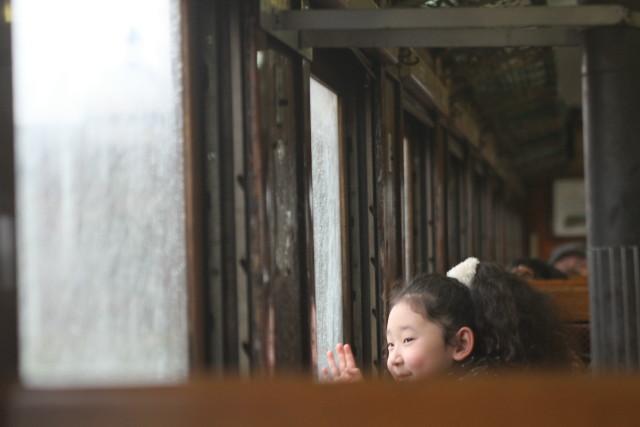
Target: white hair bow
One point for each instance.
(465, 271)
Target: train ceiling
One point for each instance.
(516, 92)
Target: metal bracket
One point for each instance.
(290, 38)
(445, 27)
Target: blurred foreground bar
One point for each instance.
(541, 400)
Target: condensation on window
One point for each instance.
(327, 245)
(100, 192)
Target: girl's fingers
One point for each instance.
(332, 365)
(350, 360)
(354, 374)
(342, 363)
(345, 370)
(325, 374)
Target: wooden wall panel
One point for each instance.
(281, 114)
(259, 250)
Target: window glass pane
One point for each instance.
(327, 244)
(101, 235)
(406, 194)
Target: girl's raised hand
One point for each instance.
(345, 370)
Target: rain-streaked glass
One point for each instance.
(100, 192)
(327, 245)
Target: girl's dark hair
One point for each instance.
(517, 324)
(442, 300)
(539, 268)
(514, 325)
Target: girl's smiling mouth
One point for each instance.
(403, 377)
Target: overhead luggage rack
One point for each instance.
(444, 27)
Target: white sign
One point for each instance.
(569, 212)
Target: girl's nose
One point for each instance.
(395, 357)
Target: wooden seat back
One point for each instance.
(571, 297)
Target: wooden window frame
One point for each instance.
(339, 80)
(8, 264)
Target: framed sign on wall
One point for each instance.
(569, 211)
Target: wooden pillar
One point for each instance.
(259, 251)
(282, 129)
(373, 354)
(388, 248)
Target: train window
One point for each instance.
(362, 303)
(454, 191)
(418, 150)
(457, 215)
(477, 217)
(100, 192)
(407, 202)
(326, 214)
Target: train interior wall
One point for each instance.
(421, 186)
(417, 182)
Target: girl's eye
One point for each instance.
(389, 346)
(407, 340)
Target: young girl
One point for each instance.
(480, 317)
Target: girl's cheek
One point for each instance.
(416, 360)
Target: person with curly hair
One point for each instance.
(480, 318)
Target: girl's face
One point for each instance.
(417, 348)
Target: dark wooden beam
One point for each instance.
(259, 250)
(8, 274)
(281, 112)
(305, 225)
(194, 193)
